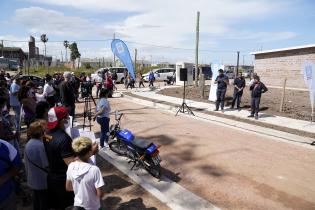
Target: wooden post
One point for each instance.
(312, 118)
(283, 94)
(197, 49)
(202, 86)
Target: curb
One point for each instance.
(172, 194)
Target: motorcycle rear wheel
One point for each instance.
(120, 149)
(154, 170)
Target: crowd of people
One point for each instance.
(256, 87)
(58, 168)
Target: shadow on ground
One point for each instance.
(114, 182)
(113, 203)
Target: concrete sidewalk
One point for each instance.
(300, 125)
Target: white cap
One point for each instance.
(67, 74)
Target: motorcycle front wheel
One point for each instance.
(117, 147)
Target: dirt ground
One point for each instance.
(297, 104)
(230, 168)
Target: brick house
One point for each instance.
(14, 53)
(274, 65)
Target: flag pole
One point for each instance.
(312, 117)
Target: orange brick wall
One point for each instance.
(274, 67)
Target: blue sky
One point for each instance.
(161, 30)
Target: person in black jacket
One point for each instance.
(67, 94)
(60, 155)
(239, 85)
(222, 80)
(114, 78)
(257, 89)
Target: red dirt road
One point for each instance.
(230, 168)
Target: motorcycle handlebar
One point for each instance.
(120, 115)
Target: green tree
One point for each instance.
(74, 52)
(88, 66)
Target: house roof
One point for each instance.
(283, 49)
(12, 49)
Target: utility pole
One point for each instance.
(243, 59)
(61, 56)
(114, 63)
(2, 48)
(197, 50)
(238, 60)
(136, 61)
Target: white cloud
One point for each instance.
(100, 5)
(39, 20)
(159, 22)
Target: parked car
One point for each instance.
(97, 75)
(38, 81)
(206, 71)
(229, 74)
(160, 74)
(246, 74)
(120, 73)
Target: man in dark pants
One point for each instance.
(239, 85)
(257, 89)
(222, 81)
(67, 94)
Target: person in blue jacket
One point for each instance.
(151, 79)
(10, 165)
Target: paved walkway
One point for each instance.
(270, 119)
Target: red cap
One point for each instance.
(55, 115)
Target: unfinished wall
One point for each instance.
(275, 66)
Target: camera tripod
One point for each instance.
(88, 111)
(184, 106)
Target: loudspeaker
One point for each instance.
(183, 74)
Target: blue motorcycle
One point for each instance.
(142, 153)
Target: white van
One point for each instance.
(160, 74)
(97, 75)
(120, 73)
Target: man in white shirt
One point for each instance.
(49, 92)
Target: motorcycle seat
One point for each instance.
(141, 143)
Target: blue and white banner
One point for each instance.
(215, 66)
(120, 49)
(308, 71)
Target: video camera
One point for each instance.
(86, 89)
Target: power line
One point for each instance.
(139, 43)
